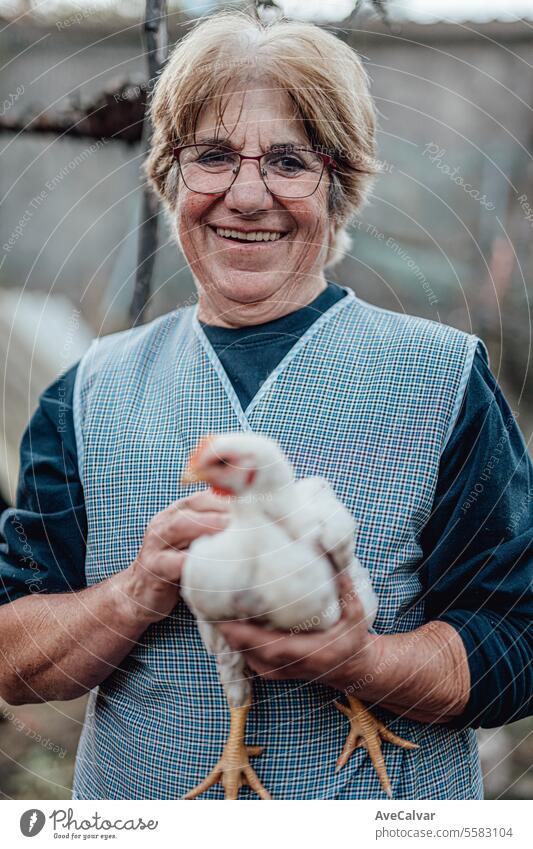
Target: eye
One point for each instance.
(221, 462)
(286, 163)
(215, 157)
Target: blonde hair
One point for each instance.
(324, 78)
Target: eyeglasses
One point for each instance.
(288, 171)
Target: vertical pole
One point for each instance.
(156, 44)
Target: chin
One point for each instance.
(247, 287)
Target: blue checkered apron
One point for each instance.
(367, 398)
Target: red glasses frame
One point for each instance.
(327, 160)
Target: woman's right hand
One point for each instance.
(151, 583)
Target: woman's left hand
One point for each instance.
(335, 657)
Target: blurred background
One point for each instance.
(447, 234)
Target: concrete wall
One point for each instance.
(452, 102)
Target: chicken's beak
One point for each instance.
(191, 473)
(190, 476)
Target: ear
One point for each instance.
(332, 229)
(333, 225)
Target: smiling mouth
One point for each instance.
(253, 237)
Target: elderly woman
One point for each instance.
(263, 149)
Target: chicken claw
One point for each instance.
(233, 770)
(367, 731)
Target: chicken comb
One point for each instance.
(202, 445)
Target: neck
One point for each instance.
(218, 310)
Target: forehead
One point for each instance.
(256, 112)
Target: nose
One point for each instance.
(249, 193)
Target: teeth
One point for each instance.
(255, 236)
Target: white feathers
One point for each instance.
(276, 561)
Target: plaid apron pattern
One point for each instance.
(366, 398)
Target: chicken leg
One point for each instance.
(367, 731)
(233, 770)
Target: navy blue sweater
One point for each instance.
(477, 546)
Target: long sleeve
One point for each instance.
(478, 552)
(42, 539)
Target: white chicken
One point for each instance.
(276, 563)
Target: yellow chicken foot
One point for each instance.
(367, 731)
(233, 770)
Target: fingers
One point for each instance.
(278, 654)
(349, 602)
(180, 528)
(344, 583)
(192, 524)
(244, 635)
(266, 652)
(205, 500)
(271, 645)
(167, 568)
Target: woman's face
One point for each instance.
(247, 282)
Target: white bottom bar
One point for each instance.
(266, 825)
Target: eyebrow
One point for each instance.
(226, 142)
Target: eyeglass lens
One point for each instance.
(290, 172)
